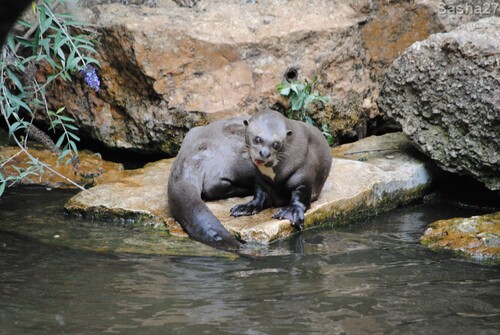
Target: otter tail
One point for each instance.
(195, 217)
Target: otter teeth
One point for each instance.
(258, 162)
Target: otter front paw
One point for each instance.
(294, 214)
(245, 209)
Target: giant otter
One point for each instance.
(292, 161)
(213, 163)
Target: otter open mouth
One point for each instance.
(258, 162)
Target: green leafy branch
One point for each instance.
(301, 95)
(67, 136)
(47, 42)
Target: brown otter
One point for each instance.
(292, 161)
(212, 163)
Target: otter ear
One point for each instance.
(289, 133)
(245, 122)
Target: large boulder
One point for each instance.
(445, 92)
(167, 68)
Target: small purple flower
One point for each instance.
(91, 77)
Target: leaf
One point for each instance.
(10, 42)
(70, 126)
(8, 110)
(281, 86)
(51, 78)
(45, 43)
(64, 76)
(91, 60)
(327, 134)
(64, 153)
(87, 47)
(298, 102)
(308, 100)
(72, 61)
(2, 186)
(285, 91)
(82, 39)
(300, 87)
(76, 138)
(73, 146)
(45, 23)
(15, 80)
(61, 55)
(66, 118)
(26, 43)
(59, 141)
(60, 110)
(54, 123)
(24, 23)
(15, 126)
(20, 103)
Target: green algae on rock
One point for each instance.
(477, 237)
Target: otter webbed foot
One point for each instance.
(250, 208)
(258, 203)
(294, 214)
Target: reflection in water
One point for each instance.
(368, 278)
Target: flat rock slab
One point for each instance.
(90, 166)
(477, 237)
(368, 177)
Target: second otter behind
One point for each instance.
(292, 161)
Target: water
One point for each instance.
(368, 278)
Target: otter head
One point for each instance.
(266, 135)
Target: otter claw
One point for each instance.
(293, 214)
(243, 210)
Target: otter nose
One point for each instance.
(264, 153)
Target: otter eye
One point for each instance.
(257, 140)
(276, 145)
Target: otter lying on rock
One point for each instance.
(282, 162)
(212, 164)
(292, 161)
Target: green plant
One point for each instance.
(301, 95)
(49, 41)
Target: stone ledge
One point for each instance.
(477, 237)
(89, 168)
(382, 175)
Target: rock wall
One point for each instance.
(445, 92)
(166, 68)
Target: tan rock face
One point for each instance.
(354, 189)
(168, 68)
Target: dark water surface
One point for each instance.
(368, 278)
